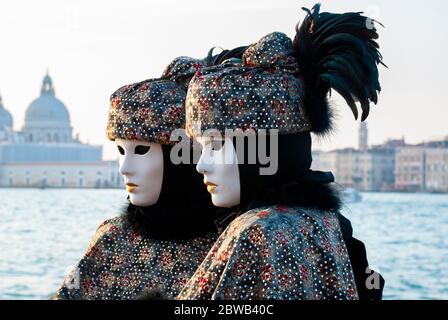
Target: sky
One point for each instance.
(91, 48)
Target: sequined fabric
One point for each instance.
(182, 69)
(276, 252)
(262, 91)
(120, 264)
(151, 109)
(272, 51)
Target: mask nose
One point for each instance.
(126, 168)
(203, 165)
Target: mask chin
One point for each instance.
(228, 202)
(142, 201)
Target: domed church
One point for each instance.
(45, 153)
(47, 119)
(5, 122)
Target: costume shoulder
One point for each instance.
(90, 275)
(104, 231)
(276, 253)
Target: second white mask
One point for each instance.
(141, 164)
(219, 165)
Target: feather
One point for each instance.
(340, 52)
(340, 39)
(212, 60)
(343, 89)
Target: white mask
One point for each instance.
(219, 165)
(141, 164)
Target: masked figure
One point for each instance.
(253, 118)
(154, 247)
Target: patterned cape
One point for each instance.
(284, 253)
(120, 264)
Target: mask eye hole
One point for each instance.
(121, 150)
(141, 149)
(216, 145)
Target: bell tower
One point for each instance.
(363, 135)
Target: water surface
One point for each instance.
(43, 233)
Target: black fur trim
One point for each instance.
(300, 193)
(168, 223)
(319, 112)
(308, 194)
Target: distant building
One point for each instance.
(363, 143)
(382, 169)
(365, 169)
(391, 166)
(342, 163)
(45, 154)
(410, 168)
(5, 123)
(325, 161)
(436, 144)
(372, 170)
(436, 169)
(348, 168)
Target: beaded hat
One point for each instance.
(151, 109)
(259, 91)
(285, 85)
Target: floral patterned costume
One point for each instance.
(120, 264)
(277, 252)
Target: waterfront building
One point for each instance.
(44, 152)
(391, 166)
(436, 168)
(410, 168)
(365, 169)
(5, 123)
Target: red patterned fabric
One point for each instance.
(276, 253)
(120, 264)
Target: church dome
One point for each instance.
(5, 117)
(47, 108)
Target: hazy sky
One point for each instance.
(93, 47)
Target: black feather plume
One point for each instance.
(212, 60)
(339, 52)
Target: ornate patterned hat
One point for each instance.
(151, 109)
(261, 91)
(283, 84)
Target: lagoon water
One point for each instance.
(43, 233)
